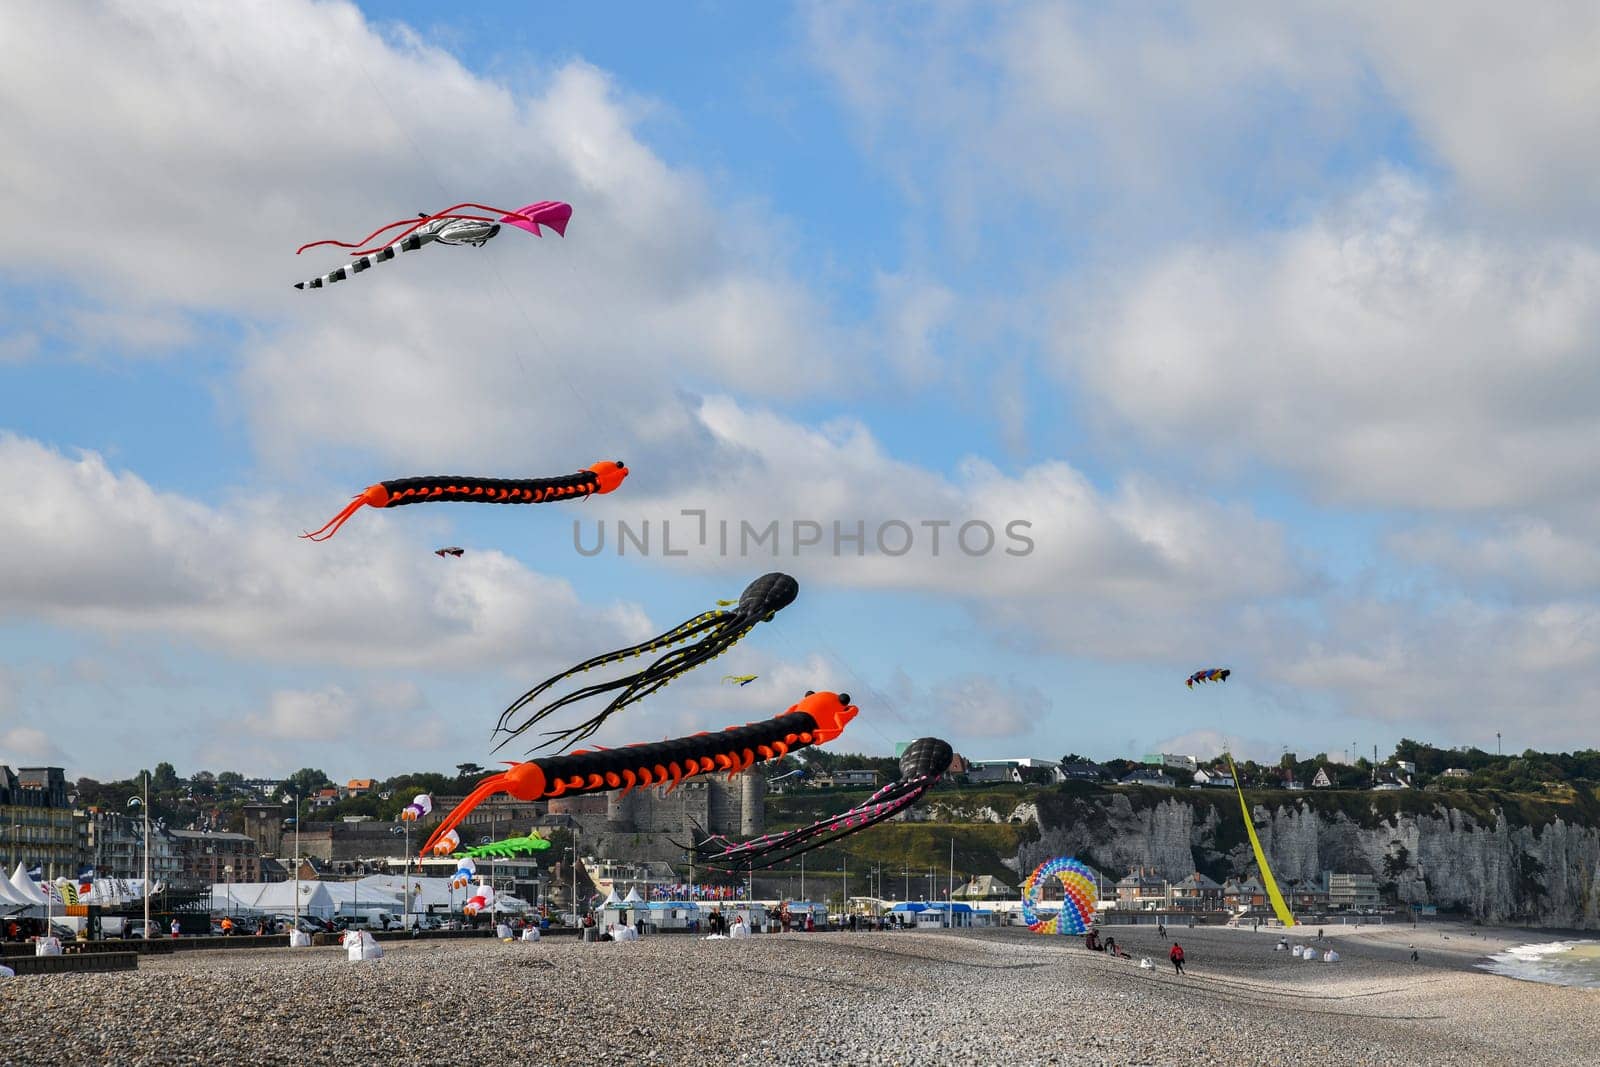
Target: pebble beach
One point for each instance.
(979, 997)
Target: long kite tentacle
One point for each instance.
(683, 630)
(634, 687)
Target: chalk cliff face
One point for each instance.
(1537, 875)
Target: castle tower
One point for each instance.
(752, 804)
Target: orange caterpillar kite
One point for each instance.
(600, 478)
(815, 720)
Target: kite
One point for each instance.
(1078, 884)
(511, 846)
(447, 844)
(1279, 908)
(921, 765)
(447, 227)
(741, 680)
(452, 551)
(465, 873)
(603, 477)
(815, 720)
(419, 808)
(481, 900)
(1210, 674)
(719, 630)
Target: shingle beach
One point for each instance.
(984, 997)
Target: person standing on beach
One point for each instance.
(1176, 955)
(1161, 928)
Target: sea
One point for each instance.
(1573, 963)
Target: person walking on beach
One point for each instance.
(1176, 955)
(1161, 928)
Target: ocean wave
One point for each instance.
(1568, 963)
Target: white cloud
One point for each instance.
(300, 715)
(193, 150)
(1206, 745)
(1134, 571)
(1378, 356)
(1506, 96)
(28, 744)
(102, 550)
(1525, 557)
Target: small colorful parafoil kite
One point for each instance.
(603, 477)
(451, 551)
(1210, 674)
(447, 844)
(1080, 895)
(465, 872)
(740, 680)
(511, 846)
(921, 765)
(815, 720)
(760, 601)
(447, 227)
(419, 808)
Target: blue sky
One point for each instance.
(1228, 305)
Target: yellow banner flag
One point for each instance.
(1281, 909)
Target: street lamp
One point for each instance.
(144, 806)
(297, 857)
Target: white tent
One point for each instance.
(322, 899)
(10, 899)
(612, 900)
(633, 896)
(25, 887)
(431, 893)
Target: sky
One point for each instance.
(1260, 336)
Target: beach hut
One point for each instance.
(658, 915)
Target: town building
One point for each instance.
(1457, 772)
(1169, 759)
(205, 857)
(37, 827)
(1155, 778)
(1142, 889)
(1351, 891)
(1243, 893)
(1197, 893)
(856, 779)
(1210, 777)
(984, 887)
(1083, 771)
(358, 787)
(1026, 767)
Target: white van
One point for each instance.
(377, 919)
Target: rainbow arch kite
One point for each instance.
(1077, 910)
